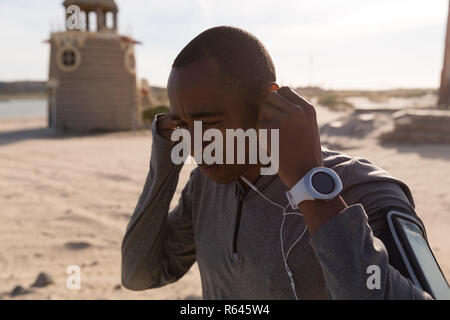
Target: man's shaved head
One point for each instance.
(241, 58)
(220, 78)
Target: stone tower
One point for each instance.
(444, 92)
(92, 72)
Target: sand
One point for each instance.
(67, 200)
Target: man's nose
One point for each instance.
(201, 144)
(191, 132)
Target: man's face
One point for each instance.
(197, 93)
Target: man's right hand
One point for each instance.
(165, 125)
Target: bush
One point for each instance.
(149, 114)
(334, 102)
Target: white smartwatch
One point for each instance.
(318, 184)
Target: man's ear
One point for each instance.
(273, 87)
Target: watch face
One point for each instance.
(323, 183)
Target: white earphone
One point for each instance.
(285, 256)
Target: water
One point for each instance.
(23, 108)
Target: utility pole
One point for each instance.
(444, 92)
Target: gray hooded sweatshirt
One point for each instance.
(235, 236)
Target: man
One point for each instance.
(223, 78)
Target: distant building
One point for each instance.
(444, 92)
(92, 73)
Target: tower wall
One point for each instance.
(99, 94)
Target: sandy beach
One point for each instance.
(66, 200)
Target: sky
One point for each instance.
(335, 44)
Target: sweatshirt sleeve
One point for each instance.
(346, 248)
(159, 247)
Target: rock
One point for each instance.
(90, 264)
(42, 280)
(420, 126)
(366, 117)
(74, 245)
(18, 291)
(118, 287)
(336, 124)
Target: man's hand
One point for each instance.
(165, 125)
(300, 148)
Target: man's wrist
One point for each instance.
(291, 179)
(318, 212)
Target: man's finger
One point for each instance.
(165, 122)
(294, 97)
(270, 112)
(281, 102)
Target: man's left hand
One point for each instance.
(299, 144)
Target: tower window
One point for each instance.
(69, 58)
(129, 60)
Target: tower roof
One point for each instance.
(88, 5)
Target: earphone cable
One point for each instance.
(285, 256)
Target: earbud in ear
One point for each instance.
(273, 87)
